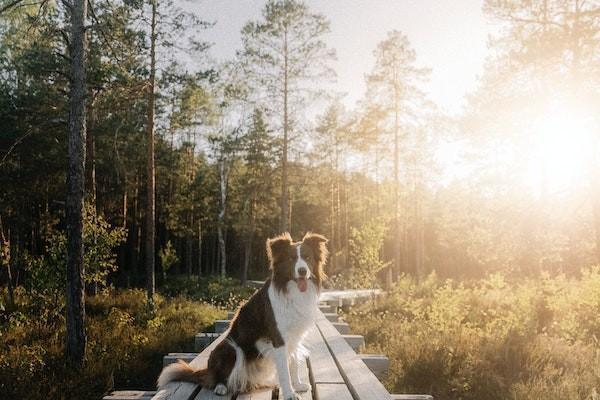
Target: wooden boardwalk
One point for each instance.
(333, 368)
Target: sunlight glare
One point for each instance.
(561, 148)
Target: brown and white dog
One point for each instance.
(265, 337)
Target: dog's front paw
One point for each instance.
(220, 389)
(293, 396)
(301, 387)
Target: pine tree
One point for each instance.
(284, 57)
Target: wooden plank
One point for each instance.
(209, 394)
(264, 394)
(326, 308)
(202, 360)
(342, 327)
(333, 317)
(175, 391)
(360, 380)
(221, 325)
(332, 391)
(320, 362)
(337, 295)
(377, 363)
(130, 395)
(204, 339)
(355, 341)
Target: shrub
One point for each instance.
(365, 256)
(48, 271)
(226, 293)
(168, 258)
(488, 339)
(126, 342)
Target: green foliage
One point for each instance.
(48, 271)
(125, 345)
(365, 255)
(225, 293)
(488, 339)
(168, 257)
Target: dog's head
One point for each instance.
(301, 262)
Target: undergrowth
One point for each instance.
(126, 343)
(488, 339)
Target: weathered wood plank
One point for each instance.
(342, 327)
(130, 395)
(264, 394)
(202, 360)
(221, 325)
(175, 391)
(377, 363)
(321, 364)
(332, 391)
(333, 317)
(204, 339)
(326, 308)
(355, 341)
(360, 380)
(209, 394)
(328, 295)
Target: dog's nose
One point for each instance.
(302, 271)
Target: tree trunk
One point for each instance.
(5, 259)
(75, 305)
(284, 223)
(90, 172)
(90, 155)
(189, 248)
(249, 239)
(199, 247)
(150, 177)
(397, 223)
(223, 176)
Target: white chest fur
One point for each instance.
(295, 312)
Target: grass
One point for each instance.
(489, 339)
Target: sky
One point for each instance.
(449, 38)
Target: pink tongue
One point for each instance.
(302, 284)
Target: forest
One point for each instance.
(140, 177)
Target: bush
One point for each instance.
(226, 293)
(365, 256)
(489, 339)
(126, 342)
(48, 271)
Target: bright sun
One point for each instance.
(562, 144)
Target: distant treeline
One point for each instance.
(237, 159)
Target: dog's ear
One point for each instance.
(318, 244)
(278, 247)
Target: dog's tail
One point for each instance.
(182, 371)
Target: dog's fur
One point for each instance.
(266, 334)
